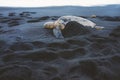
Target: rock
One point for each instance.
(54, 17)
(93, 16)
(21, 46)
(44, 18)
(73, 29)
(109, 18)
(15, 73)
(13, 23)
(4, 20)
(24, 14)
(12, 14)
(33, 20)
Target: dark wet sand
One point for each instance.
(30, 52)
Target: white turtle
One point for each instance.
(60, 24)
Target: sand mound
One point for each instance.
(73, 28)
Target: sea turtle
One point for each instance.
(60, 24)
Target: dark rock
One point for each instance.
(24, 14)
(21, 46)
(73, 28)
(44, 18)
(13, 23)
(15, 73)
(12, 14)
(108, 18)
(83, 16)
(17, 18)
(54, 17)
(4, 20)
(33, 20)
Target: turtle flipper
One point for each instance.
(57, 33)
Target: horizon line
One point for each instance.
(59, 6)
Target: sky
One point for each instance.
(44, 3)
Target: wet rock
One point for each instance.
(108, 18)
(83, 16)
(33, 20)
(93, 16)
(17, 18)
(24, 14)
(21, 46)
(73, 29)
(54, 17)
(44, 18)
(13, 23)
(12, 14)
(4, 20)
(15, 73)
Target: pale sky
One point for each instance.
(42, 3)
